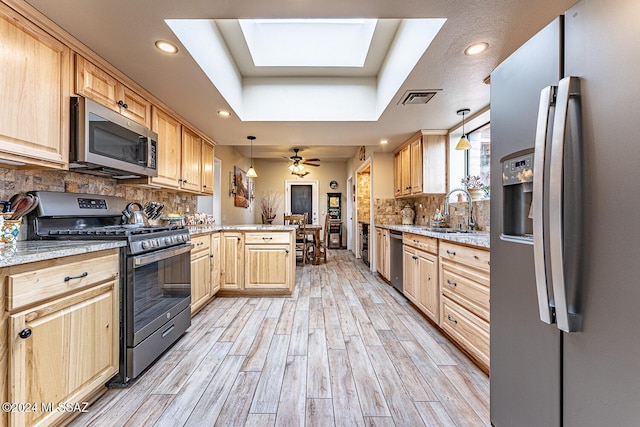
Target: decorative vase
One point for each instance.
(476, 193)
(408, 214)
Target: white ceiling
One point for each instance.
(123, 32)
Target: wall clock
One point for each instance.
(333, 184)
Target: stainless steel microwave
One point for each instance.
(106, 143)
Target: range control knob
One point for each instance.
(145, 244)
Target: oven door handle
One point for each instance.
(139, 261)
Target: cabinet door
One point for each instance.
(215, 263)
(207, 167)
(409, 268)
(428, 293)
(135, 107)
(379, 252)
(35, 106)
(386, 253)
(416, 166)
(94, 83)
(267, 267)
(232, 261)
(405, 170)
(435, 164)
(169, 149)
(200, 280)
(191, 151)
(70, 351)
(397, 174)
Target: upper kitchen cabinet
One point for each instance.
(36, 77)
(207, 167)
(421, 165)
(169, 133)
(94, 83)
(190, 178)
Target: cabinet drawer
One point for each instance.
(471, 332)
(468, 287)
(31, 283)
(425, 243)
(267, 237)
(465, 255)
(200, 244)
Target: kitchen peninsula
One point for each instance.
(242, 260)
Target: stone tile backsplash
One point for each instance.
(19, 180)
(364, 194)
(387, 211)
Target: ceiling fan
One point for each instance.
(298, 163)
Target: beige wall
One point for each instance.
(382, 176)
(232, 215)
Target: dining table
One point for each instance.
(314, 231)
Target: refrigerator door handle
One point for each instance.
(547, 100)
(561, 268)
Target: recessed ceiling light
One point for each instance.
(476, 48)
(224, 113)
(166, 47)
(384, 141)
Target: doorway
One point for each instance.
(349, 217)
(301, 197)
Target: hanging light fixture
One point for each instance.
(251, 173)
(463, 144)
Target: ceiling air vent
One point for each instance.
(414, 97)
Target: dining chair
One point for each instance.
(301, 236)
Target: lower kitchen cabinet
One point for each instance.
(63, 333)
(383, 256)
(232, 263)
(420, 274)
(200, 272)
(464, 283)
(268, 262)
(215, 263)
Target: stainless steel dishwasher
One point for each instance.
(395, 252)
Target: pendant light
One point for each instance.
(463, 144)
(251, 173)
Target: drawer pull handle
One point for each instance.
(451, 252)
(267, 238)
(451, 319)
(476, 257)
(286, 250)
(414, 257)
(199, 243)
(85, 274)
(239, 239)
(25, 333)
(454, 284)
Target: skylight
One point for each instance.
(308, 42)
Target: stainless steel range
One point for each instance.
(155, 271)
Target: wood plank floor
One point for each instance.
(345, 350)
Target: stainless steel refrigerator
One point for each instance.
(565, 215)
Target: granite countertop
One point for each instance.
(31, 251)
(475, 238)
(203, 229)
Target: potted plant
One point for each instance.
(268, 202)
(474, 186)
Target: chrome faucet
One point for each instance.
(470, 222)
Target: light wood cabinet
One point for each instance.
(63, 346)
(94, 83)
(232, 262)
(383, 255)
(200, 272)
(190, 176)
(420, 270)
(397, 174)
(35, 87)
(464, 284)
(420, 165)
(267, 267)
(206, 160)
(416, 165)
(169, 132)
(435, 167)
(215, 263)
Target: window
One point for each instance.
(479, 156)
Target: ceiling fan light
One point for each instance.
(292, 167)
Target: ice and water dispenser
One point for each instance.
(517, 194)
